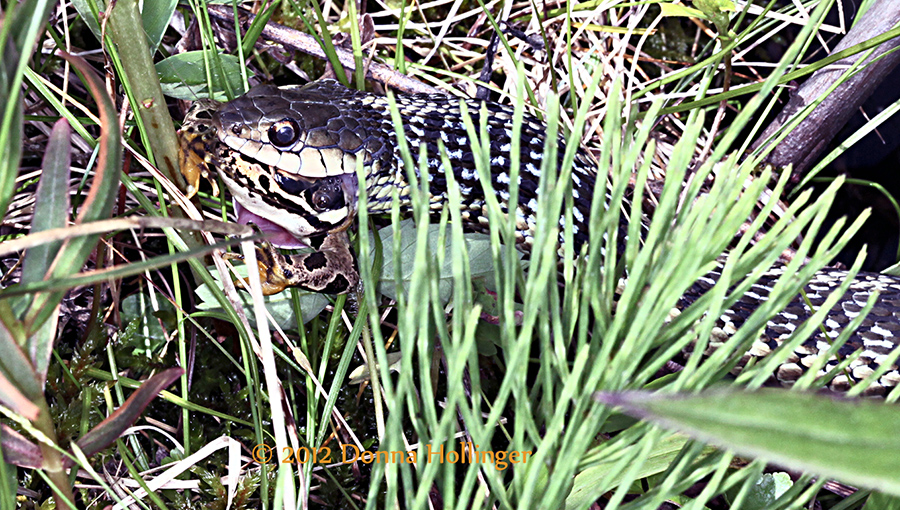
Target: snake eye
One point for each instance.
(284, 133)
(327, 198)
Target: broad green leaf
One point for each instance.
(594, 481)
(802, 431)
(717, 11)
(98, 202)
(156, 16)
(768, 488)
(715, 6)
(51, 205)
(879, 501)
(16, 367)
(51, 210)
(478, 246)
(184, 76)
(360, 374)
(279, 305)
(144, 332)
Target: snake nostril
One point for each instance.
(284, 133)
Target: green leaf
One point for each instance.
(155, 16)
(98, 203)
(10, 145)
(144, 332)
(879, 501)
(361, 374)
(594, 481)
(184, 76)
(17, 368)
(23, 25)
(799, 430)
(478, 246)
(715, 6)
(51, 210)
(51, 205)
(768, 488)
(717, 11)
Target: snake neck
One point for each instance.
(437, 127)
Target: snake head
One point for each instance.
(285, 154)
(288, 154)
(299, 131)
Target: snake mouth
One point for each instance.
(279, 236)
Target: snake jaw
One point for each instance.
(286, 235)
(275, 233)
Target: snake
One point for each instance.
(289, 155)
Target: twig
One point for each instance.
(296, 40)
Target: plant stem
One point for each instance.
(53, 465)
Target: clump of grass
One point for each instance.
(427, 358)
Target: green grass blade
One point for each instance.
(853, 441)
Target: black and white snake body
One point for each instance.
(289, 157)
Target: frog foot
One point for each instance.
(331, 269)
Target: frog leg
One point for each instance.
(331, 269)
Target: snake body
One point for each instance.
(301, 135)
(289, 156)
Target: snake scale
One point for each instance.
(289, 156)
